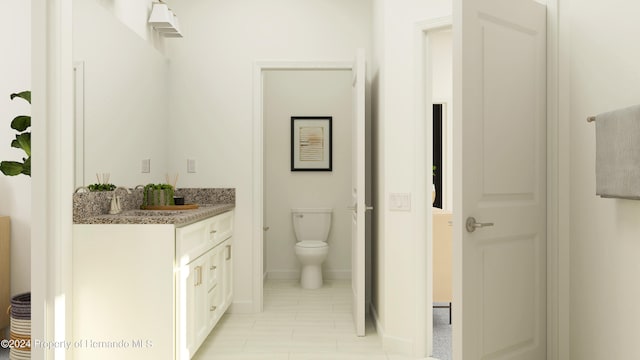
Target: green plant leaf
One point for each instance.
(24, 140)
(26, 167)
(12, 168)
(21, 123)
(23, 95)
(101, 187)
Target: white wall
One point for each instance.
(211, 88)
(15, 192)
(602, 64)
(442, 61)
(125, 97)
(306, 93)
(394, 116)
(134, 15)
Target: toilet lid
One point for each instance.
(312, 244)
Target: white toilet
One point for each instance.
(312, 229)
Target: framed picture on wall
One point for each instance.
(311, 143)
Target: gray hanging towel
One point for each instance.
(618, 153)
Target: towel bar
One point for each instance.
(591, 119)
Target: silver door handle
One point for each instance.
(472, 225)
(354, 208)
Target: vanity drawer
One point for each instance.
(192, 241)
(195, 239)
(221, 227)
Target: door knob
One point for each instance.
(472, 225)
(355, 208)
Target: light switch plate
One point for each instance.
(191, 166)
(146, 166)
(400, 202)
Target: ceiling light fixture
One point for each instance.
(164, 20)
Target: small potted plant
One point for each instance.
(20, 309)
(157, 195)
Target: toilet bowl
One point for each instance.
(311, 227)
(311, 256)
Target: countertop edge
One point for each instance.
(179, 220)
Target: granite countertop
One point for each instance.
(176, 217)
(93, 207)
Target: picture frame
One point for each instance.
(311, 143)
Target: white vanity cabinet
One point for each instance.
(148, 291)
(204, 250)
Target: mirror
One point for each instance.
(122, 112)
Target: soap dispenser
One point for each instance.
(116, 208)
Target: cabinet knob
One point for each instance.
(213, 267)
(213, 232)
(213, 308)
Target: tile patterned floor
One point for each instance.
(296, 324)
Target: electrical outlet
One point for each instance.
(191, 166)
(146, 166)
(400, 202)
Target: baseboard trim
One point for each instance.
(338, 274)
(241, 307)
(391, 344)
(295, 274)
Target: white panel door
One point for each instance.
(358, 194)
(500, 70)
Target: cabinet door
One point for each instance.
(214, 307)
(228, 273)
(194, 326)
(186, 326)
(200, 303)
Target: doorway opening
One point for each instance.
(308, 97)
(268, 260)
(502, 202)
(436, 52)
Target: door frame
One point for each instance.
(259, 68)
(53, 179)
(558, 252)
(424, 153)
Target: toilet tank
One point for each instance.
(311, 224)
